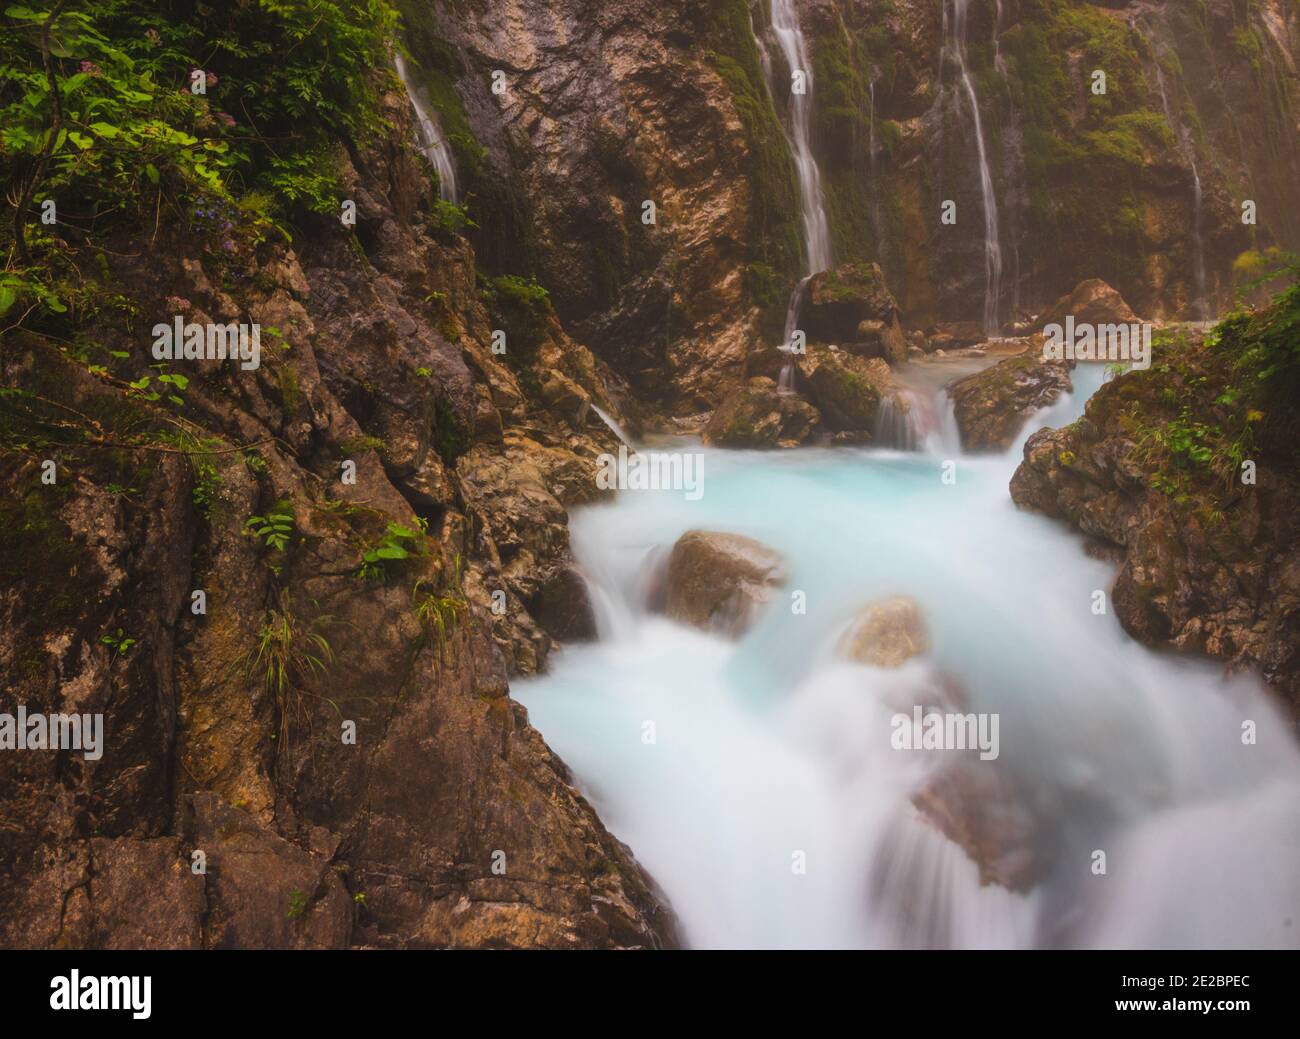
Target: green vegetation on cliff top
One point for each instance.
(127, 113)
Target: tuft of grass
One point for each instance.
(439, 609)
(292, 652)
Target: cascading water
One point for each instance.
(614, 427)
(432, 143)
(816, 229)
(956, 26)
(918, 415)
(1189, 153)
(771, 753)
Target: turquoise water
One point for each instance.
(770, 753)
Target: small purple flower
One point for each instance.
(90, 68)
(178, 303)
(226, 118)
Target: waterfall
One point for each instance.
(999, 62)
(433, 144)
(899, 422)
(992, 245)
(614, 427)
(771, 749)
(816, 229)
(1189, 153)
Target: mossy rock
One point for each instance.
(847, 390)
(757, 415)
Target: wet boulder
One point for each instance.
(954, 335)
(976, 805)
(992, 406)
(1092, 302)
(720, 582)
(886, 633)
(846, 389)
(757, 415)
(851, 305)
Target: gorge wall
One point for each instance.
(608, 105)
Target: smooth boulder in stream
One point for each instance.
(719, 582)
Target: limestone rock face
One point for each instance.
(608, 106)
(886, 634)
(720, 582)
(992, 406)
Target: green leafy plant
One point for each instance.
(275, 528)
(297, 905)
(449, 218)
(119, 642)
(120, 111)
(396, 544)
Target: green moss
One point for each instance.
(354, 447)
(774, 238)
(522, 309)
(842, 130)
(1068, 160)
(851, 281)
(764, 284)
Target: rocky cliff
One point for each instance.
(1140, 179)
(1187, 472)
(296, 593)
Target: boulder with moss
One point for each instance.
(758, 415)
(992, 406)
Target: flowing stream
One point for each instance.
(992, 244)
(726, 764)
(432, 142)
(816, 229)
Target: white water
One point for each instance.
(816, 229)
(432, 143)
(1189, 153)
(992, 243)
(771, 745)
(614, 427)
